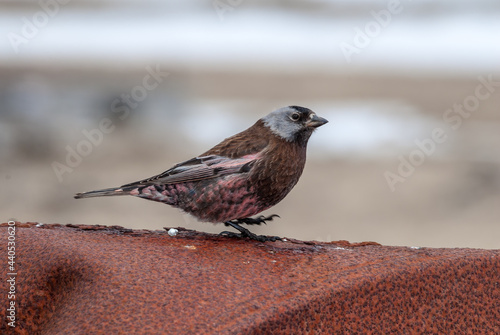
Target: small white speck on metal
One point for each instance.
(190, 247)
(173, 232)
(38, 225)
(416, 248)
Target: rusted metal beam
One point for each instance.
(98, 279)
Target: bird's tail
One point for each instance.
(107, 192)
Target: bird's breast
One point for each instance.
(277, 172)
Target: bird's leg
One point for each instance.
(246, 233)
(258, 220)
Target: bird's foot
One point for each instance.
(258, 220)
(243, 232)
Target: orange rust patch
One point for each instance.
(95, 279)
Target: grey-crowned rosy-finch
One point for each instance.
(242, 176)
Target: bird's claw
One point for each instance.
(247, 233)
(250, 235)
(258, 220)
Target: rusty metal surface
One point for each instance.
(96, 280)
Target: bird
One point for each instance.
(238, 178)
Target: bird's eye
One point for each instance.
(295, 117)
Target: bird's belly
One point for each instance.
(218, 200)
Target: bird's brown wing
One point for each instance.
(199, 168)
(235, 154)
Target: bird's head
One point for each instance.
(293, 123)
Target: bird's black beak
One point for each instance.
(316, 121)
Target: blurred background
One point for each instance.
(95, 94)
